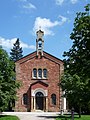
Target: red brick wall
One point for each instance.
(24, 68)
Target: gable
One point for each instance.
(45, 55)
(39, 86)
(40, 82)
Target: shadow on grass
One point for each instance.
(48, 117)
(66, 117)
(1, 116)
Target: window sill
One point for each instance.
(39, 78)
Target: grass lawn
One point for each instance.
(8, 117)
(68, 117)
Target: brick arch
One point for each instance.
(45, 93)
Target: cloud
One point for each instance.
(74, 1)
(63, 19)
(8, 43)
(26, 4)
(59, 2)
(29, 6)
(47, 24)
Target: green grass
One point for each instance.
(8, 117)
(76, 117)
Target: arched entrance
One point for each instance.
(39, 101)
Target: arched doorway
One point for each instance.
(39, 101)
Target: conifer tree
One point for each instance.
(16, 51)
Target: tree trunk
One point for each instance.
(79, 111)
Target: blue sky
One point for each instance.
(22, 18)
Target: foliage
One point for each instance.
(68, 117)
(8, 85)
(16, 51)
(76, 80)
(76, 91)
(8, 117)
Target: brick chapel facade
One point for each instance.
(39, 74)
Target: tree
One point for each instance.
(77, 92)
(16, 51)
(8, 85)
(76, 79)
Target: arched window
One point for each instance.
(34, 73)
(39, 73)
(53, 99)
(25, 99)
(45, 73)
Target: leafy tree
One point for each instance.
(76, 79)
(16, 51)
(8, 85)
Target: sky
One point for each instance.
(22, 18)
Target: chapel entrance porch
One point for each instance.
(39, 102)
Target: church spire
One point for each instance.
(39, 42)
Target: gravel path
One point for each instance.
(34, 115)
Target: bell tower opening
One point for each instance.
(39, 42)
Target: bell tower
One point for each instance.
(39, 42)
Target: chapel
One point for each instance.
(40, 75)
